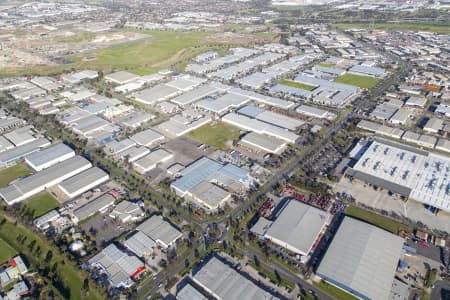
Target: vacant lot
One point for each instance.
(396, 26)
(375, 219)
(6, 251)
(217, 135)
(365, 82)
(12, 173)
(40, 204)
(298, 85)
(162, 49)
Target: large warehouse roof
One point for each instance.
(424, 174)
(362, 259)
(224, 282)
(23, 150)
(50, 156)
(90, 208)
(298, 226)
(159, 230)
(36, 183)
(83, 181)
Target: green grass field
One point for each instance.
(396, 26)
(215, 134)
(12, 173)
(298, 85)
(71, 277)
(365, 82)
(375, 219)
(322, 64)
(334, 291)
(6, 251)
(41, 204)
(162, 49)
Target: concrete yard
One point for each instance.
(381, 200)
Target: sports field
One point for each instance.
(40, 204)
(6, 251)
(395, 26)
(12, 173)
(298, 85)
(217, 135)
(365, 82)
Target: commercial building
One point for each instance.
(116, 147)
(134, 153)
(210, 195)
(264, 143)
(407, 171)
(160, 231)
(119, 267)
(127, 211)
(227, 177)
(297, 227)
(13, 154)
(260, 127)
(99, 204)
(189, 292)
(222, 104)
(121, 77)
(156, 94)
(362, 260)
(152, 160)
(34, 184)
(83, 182)
(195, 94)
(314, 112)
(434, 125)
(147, 138)
(271, 117)
(179, 125)
(140, 244)
(21, 136)
(49, 157)
(223, 282)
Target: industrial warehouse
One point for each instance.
(223, 282)
(362, 259)
(209, 183)
(404, 170)
(298, 227)
(34, 184)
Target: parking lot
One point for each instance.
(383, 201)
(105, 228)
(186, 150)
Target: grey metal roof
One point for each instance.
(121, 77)
(159, 230)
(90, 208)
(225, 283)
(84, 179)
(264, 142)
(147, 137)
(209, 193)
(362, 259)
(140, 244)
(194, 95)
(298, 225)
(52, 175)
(49, 154)
(155, 94)
(188, 292)
(23, 150)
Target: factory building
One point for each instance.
(34, 184)
(83, 182)
(405, 170)
(298, 227)
(49, 157)
(160, 231)
(362, 260)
